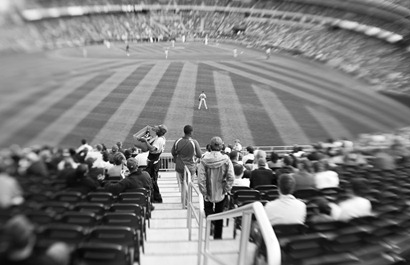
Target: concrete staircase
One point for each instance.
(167, 237)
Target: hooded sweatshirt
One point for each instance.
(215, 176)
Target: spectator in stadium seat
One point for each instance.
(237, 146)
(136, 179)
(288, 162)
(10, 191)
(18, 240)
(184, 151)
(239, 181)
(383, 159)
(215, 178)
(120, 147)
(324, 177)
(303, 176)
(274, 163)
(286, 209)
(81, 182)
(234, 156)
(259, 154)
(119, 168)
(356, 205)
(36, 166)
(111, 154)
(94, 172)
(262, 175)
(324, 211)
(249, 157)
(84, 146)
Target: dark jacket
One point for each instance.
(262, 176)
(136, 179)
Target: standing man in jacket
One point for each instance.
(184, 151)
(215, 180)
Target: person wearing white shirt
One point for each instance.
(286, 209)
(156, 146)
(325, 178)
(355, 206)
(239, 181)
(249, 155)
(84, 145)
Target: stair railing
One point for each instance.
(197, 212)
(271, 241)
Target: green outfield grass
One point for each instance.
(59, 97)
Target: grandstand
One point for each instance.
(338, 70)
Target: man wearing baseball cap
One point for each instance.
(156, 146)
(136, 179)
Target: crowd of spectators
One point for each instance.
(44, 170)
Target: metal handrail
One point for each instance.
(198, 215)
(269, 236)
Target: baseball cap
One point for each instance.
(160, 128)
(216, 142)
(132, 163)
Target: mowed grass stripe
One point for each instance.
(10, 127)
(98, 117)
(56, 131)
(326, 83)
(264, 131)
(231, 113)
(182, 106)
(16, 103)
(348, 102)
(158, 103)
(52, 113)
(206, 123)
(333, 126)
(120, 123)
(296, 107)
(368, 122)
(288, 128)
(115, 67)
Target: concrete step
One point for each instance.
(190, 247)
(192, 259)
(170, 223)
(174, 213)
(165, 206)
(182, 234)
(169, 189)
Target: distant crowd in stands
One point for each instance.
(383, 66)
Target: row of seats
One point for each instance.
(99, 228)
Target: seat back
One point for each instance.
(57, 207)
(284, 230)
(85, 219)
(263, 188)
(68, 196)
(242, 197)
(105, 198)
(306, 194)
(122, 219)
(68, 233)
(93, 253)
(124, 236)
(90, 207)
(270, 195)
